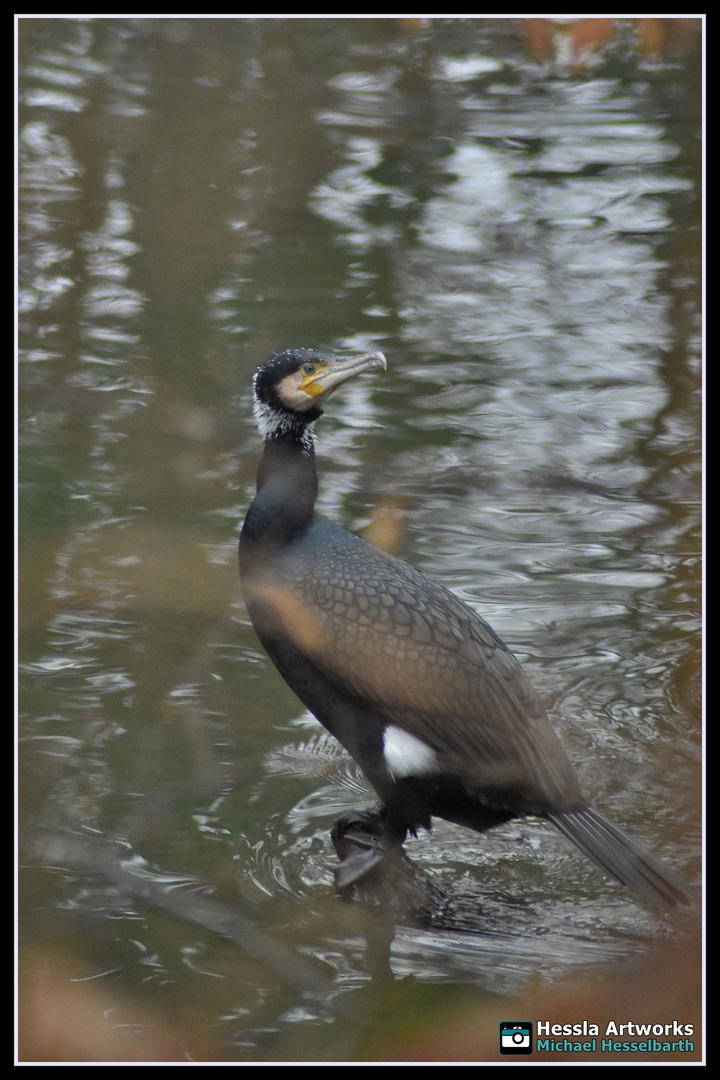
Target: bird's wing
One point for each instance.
(405, 647)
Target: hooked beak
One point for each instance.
(332, 371)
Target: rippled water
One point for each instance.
(520, 235)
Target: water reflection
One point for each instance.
(522, 243)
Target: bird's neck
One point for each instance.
(287, 487)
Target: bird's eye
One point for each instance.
(308, 369)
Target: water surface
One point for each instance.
(521, 238)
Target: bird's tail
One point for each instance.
(623, 858)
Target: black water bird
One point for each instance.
(416, 686)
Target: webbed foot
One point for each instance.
(362, 841)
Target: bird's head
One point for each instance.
(292, 387)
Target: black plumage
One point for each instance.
(416, 686)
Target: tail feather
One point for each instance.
(623, 858)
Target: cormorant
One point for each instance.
(416, 686)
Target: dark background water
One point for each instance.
(516, 223)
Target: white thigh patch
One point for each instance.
(405, 755)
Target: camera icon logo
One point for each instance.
(515, 1037)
